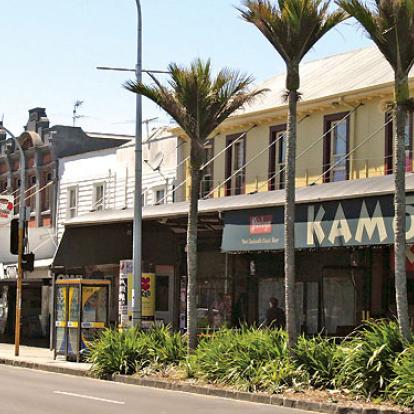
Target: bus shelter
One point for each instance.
(81, 313)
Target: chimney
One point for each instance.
(38, 121)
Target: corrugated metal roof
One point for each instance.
(331, 76)
(330, 191)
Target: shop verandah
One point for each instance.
(344, 257)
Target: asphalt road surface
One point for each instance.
(25, 391)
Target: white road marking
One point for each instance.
(88, 397)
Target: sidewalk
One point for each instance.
(40, 358)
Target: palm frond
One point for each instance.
(390, 25)
(292, 26)
(196, 99)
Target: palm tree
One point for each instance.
(292, 27)
(390, 25)
(199, 102)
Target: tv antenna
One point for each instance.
(147, 122)
(75, 115)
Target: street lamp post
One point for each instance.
(22, 219)
(137, 231)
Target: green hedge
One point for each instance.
(373, 362)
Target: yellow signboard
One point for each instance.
(148, 295)
(126, 281)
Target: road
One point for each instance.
(24, 391)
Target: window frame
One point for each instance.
(155, 190)
(229, 164)
(46, 195)
(389, 143)
(209, 171)
(274, 154)
(74, 188)
(101, 205)
(328, 120)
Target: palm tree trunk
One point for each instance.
(192, 253)
(401, 94)
(290, 220)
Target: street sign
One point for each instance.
(6, 209)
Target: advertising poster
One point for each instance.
(148, 295)
(125, 294)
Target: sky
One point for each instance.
(50, 49)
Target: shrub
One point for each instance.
(242, 357)
(368, 358)
(401, 389)
(320, 358)
(130, 350)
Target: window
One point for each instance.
(159, 196)
(3, 186)
(389, 133)
(235, 160)
(46, 192)
(336, 147)
(162, 293)
(98, 196)
(277, 156)
(31, 194)
(207, 173)
(72, 202)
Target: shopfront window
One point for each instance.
(339, 304)
(214, 304)
(344, 299)
(272, 287)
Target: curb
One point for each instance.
(44, 367)
(260, 398)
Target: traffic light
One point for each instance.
(14, 236)
(28, 262)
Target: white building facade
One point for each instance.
(104, 180)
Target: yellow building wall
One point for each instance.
(366, 137)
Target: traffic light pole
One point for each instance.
(22, 219)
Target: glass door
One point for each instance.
(73, 321)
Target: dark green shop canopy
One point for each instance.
(93, 245)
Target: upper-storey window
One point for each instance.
(159, 196)
(72, 202)
(207, 173)
(235, 165)
(336, 147)
(277, 156)
(98, 196)
(31, 193)
(389, 133)
(46, 191)
(3, 186)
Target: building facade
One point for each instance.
(102, 182)
(344, 194)
(44, 147)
